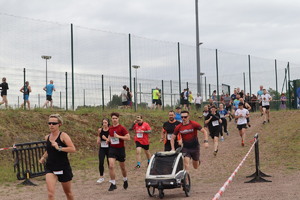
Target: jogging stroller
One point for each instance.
(166, 171)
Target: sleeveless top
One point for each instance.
(57, 160)
(103, 142)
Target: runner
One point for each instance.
(223, 114)
(177, 114)
(124, 97)
(259, 93)
(248, 107)
(49, 90)
(103, 141)
(265, 102)
(26, 89)
(227, 102)
(205, 113)
(241, 114)
(117, 135)
(191, 147)
(186, 99)
(141, 138)
(168, 130)
(214, 121)
(4, 88)
(57, 167)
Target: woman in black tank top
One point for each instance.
(102, 140)
(58, 145)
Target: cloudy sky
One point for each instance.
(268, 29)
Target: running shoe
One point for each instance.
(215, 153)
(264, 122)
(100, 180)
(227, 133)
(137, 167)
(222, 139)
(125, 185)
(112, 187)
(249, 125)
(243, 144)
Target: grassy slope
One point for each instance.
(282, 149)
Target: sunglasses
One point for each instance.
(53, 123)
(184, 117)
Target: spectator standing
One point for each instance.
(49, 90)
(283, 100)
(26, 89)
(4, 88)
(124, 97)
(198, 102)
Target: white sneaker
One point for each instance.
(100, 180)
(222, 139)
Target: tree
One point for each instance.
(115, 102)
(274, 94)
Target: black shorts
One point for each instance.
(117, 153)
(155, 101)
(185, 101)
(66, 175)
(266, 107)
(49, 97)
(124, 103)
(193, 153)
(241, 126)
(159, 102)
(214, 133)
(138, 144)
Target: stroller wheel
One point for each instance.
(186, 184)
(161, 193)
(151, 191)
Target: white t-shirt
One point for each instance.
(198, 100)
(265, 99)
(244, 112)
(124, 95)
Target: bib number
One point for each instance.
(139, 135)
(61, 172)
(104, 144)
(114, 140)
(169, 136)
(215, 123)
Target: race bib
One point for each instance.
(139, 135)
(169, 136)
(58, 172)
(215, 123)
(114, 140)
(104, 144)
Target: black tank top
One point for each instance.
(105, 133)
(57, 160)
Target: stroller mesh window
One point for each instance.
(179, 165)
(163, 165)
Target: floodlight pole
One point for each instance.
(46, 58)
(135, 85)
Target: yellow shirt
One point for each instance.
(155, 94)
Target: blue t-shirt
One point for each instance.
(49, 89)
(236, 103)
(222, 113)
(178, 117)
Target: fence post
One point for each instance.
(276, 81)
(129, 60)
(209, 91)
(171, 91)
(162, 95)
(72, 63)
(134, 88)
(66, 90)
(217, 71)
(102, 92)
(258, 174)
(244, 77)
(60, 99)
(83, 97)
(24, 104)
(140, 86)
(39, 100)
(250, 86)
(179, 73)
(205, 90)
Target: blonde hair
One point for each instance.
(58, 117)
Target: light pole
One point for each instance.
(197, 48)
(46, 58)
(135, 86)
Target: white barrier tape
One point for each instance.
(13, 147)
(222, 189)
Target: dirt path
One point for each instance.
(206, 181)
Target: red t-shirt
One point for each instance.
(188, 133)
(141, 137)
(117, 142)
